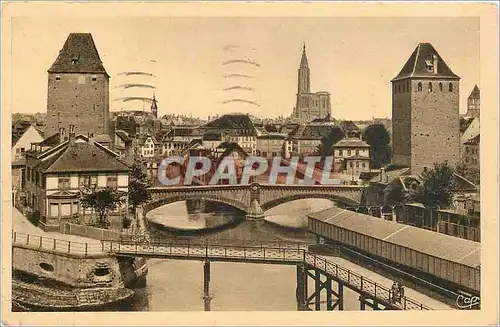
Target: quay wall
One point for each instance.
(79, 271)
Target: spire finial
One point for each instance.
(304, 47)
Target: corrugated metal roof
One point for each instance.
(435, 244)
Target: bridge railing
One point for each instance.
(362, 283)
(55, 245)
(205, 251)
(154, 239)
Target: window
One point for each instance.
(357, 152)
(408, 86)
(341, 152)
(87, 180)
(419, 87)
(22, 150)
(450, 87)
(112, 181)
(399, 88)
(363, 165)
(350, 164)
(64, 182)
(441, 87)
(58, 78)
(94, 78)
(357, 164)
(430, 87)
(54, 210)
(65, 209)
(395, 88)
(348, 152)
(404, 88)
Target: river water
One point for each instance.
(177, 285)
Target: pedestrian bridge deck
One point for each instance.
(268, 253)
(290, 254)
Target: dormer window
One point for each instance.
(429, 65)
(74, 59)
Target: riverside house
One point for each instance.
(55, 178)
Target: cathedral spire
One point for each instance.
(303, 61)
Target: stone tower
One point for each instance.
(154, 107)
(78, 88)
(309, 105)
(473, 103)
(304, 81)
(425, 111)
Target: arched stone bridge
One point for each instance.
(255, 198)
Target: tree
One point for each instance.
(436, 188)
(138, 186)
(325, 149)
(102, 201)
(377, 136)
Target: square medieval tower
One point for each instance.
(425, 112)
(78, 89)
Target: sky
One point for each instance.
(352, 58)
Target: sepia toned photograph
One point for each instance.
(190, 163)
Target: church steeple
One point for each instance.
(303, 61)
(154, 107)
(304, 73)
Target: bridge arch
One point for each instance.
(183, 197)
(292, 197)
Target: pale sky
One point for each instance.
(354, 59)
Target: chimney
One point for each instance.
(435, 64)
(383, 176)
(61, 134)
(71, 132)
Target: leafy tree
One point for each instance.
(471, 173)
(325, 149)
(377, 136)
(436, 188)
(102, 201)
(138, 186)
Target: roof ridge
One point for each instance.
(416, 60)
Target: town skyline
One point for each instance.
(344, 61)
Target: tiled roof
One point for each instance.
(354, 143)
(81, 157)
(391, 174)
(232, 121)
(439, 245)
(465, 123)
(212, 137)
(18, 129)
(348, 125)
(272, 136)
(312, 131)
(475, 94)
(78, 55)
(123, 136)
(51, 140)
(419, 61)
(474, 141)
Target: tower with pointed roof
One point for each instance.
(309, 105)
(154, 107)
(473, 103)
(425, 111)
(78, 88)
